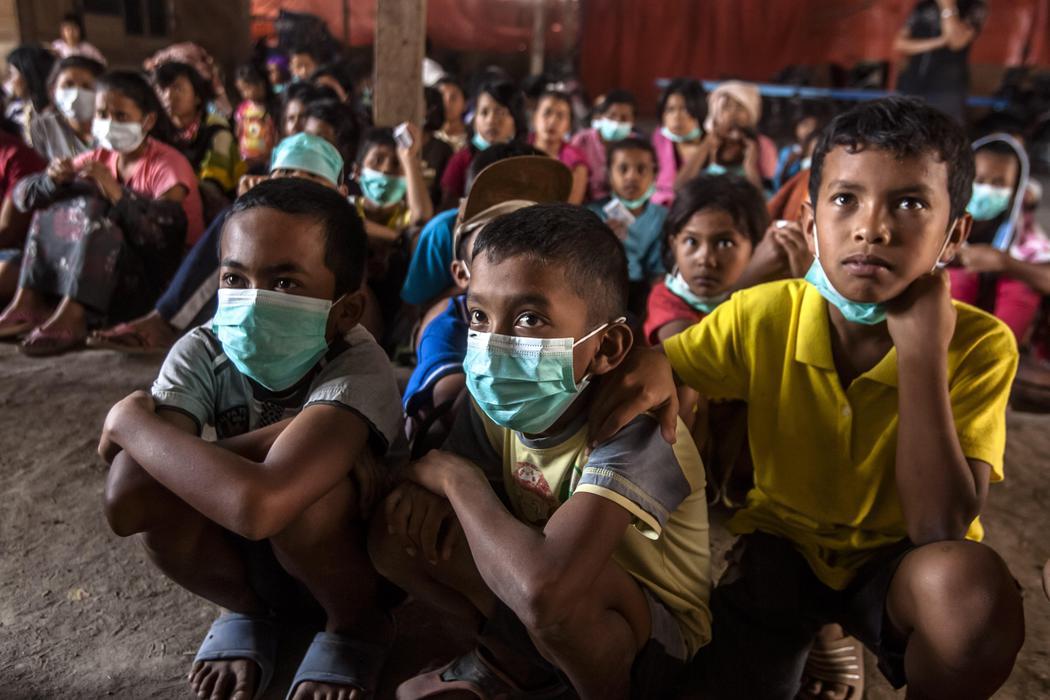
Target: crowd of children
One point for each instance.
(503, 365)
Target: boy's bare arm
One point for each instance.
(941, 491)
(411, 162)
(537, 574)
(255, 499)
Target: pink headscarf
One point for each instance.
(744, 93)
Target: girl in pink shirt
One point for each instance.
(613, 121)
(552, 124)
(110, 225)
(682, 110)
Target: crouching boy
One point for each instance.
(304, 406)
(576, 568)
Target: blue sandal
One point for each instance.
(338, 659)
(237, 636)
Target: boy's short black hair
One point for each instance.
(341, 118)
(434, 114)
(167, 73)
(375, 136)
(496, 152)
(308, 49)
(631, 143)
(345, 245)
(692, 92)
(615, 97)
(76, 61)
(906, 127)
(571, 237)
(732, 194)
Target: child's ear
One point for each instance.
(149, 122)
(809, 225)
(348, 311)
(344, 190)
(616, 342)
(957, 236)
(460, 274)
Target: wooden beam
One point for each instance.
(401, 27)
(539, 36)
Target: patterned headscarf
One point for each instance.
(193, 55)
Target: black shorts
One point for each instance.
(769, 605)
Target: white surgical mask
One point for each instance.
(76, 103)
(122, 137)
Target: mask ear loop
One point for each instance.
(947, 239)
(608, 324)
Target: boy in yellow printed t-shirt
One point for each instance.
(876, 420)
(582, 569)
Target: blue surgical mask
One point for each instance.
(381, 188)
(672, 136)
(805, 163)
(611, 130)
(716, 169)
(523, 384)
(479, 141)
(272, 337)
(641, 201)
(867, 312)
(677, 285)
(988, 201)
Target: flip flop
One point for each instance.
(472, 673)
(338, 659)
(19, 323)
(125, 338)
(46, 343)
(839, 661)
(237, 636)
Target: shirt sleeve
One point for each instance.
(979, 392)
(186, 381)
(663, 308)
(454, 179)
(22, 162)
(640, 471)
(428, 271)
(708, 356)
(168, 169)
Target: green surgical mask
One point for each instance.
(272, 337)
(640, 202)
(381, 188)
(677, 285)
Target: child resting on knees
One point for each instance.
(589, 569)
(632, 215)
(877, 420)
(304, 405)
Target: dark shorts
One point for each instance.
(660, 665)
(768, 606)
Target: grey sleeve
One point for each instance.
(469, 440)
(34, 192)
(362, 379)
(186, 381)
(640, 466)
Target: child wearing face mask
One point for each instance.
(877, 421)
(139, 206)
(499, 117)
(1006, 249)
(682, 110)
(613, 121)
(64, 130)
(598, 558)
(304, 405)
(632, 215)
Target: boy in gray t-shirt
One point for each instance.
(305, 409)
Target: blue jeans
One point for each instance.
(190, 298)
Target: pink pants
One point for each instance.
(1016, 304)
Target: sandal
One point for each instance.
(46, 343)
(338, 659)
(472, 673)
(837, 661)
(19, 323)
(236, 636)
(126, 338)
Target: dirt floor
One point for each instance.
(82, 615)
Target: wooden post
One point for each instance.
(539, 37)
(401, 27)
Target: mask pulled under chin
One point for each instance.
(677, 285)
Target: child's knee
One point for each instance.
(386, 549)
(125, 500)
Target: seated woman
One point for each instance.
(499, 117)
(26, 86)
(731, 141)
(64, 130)
(204, 137)
(17, 160)
(110, 225)
(682, 109)
(551, 129)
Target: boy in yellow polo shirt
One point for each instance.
(876, 415)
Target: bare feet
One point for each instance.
(235, 679)
(25, 312)
(309, 690)
(69, 319)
